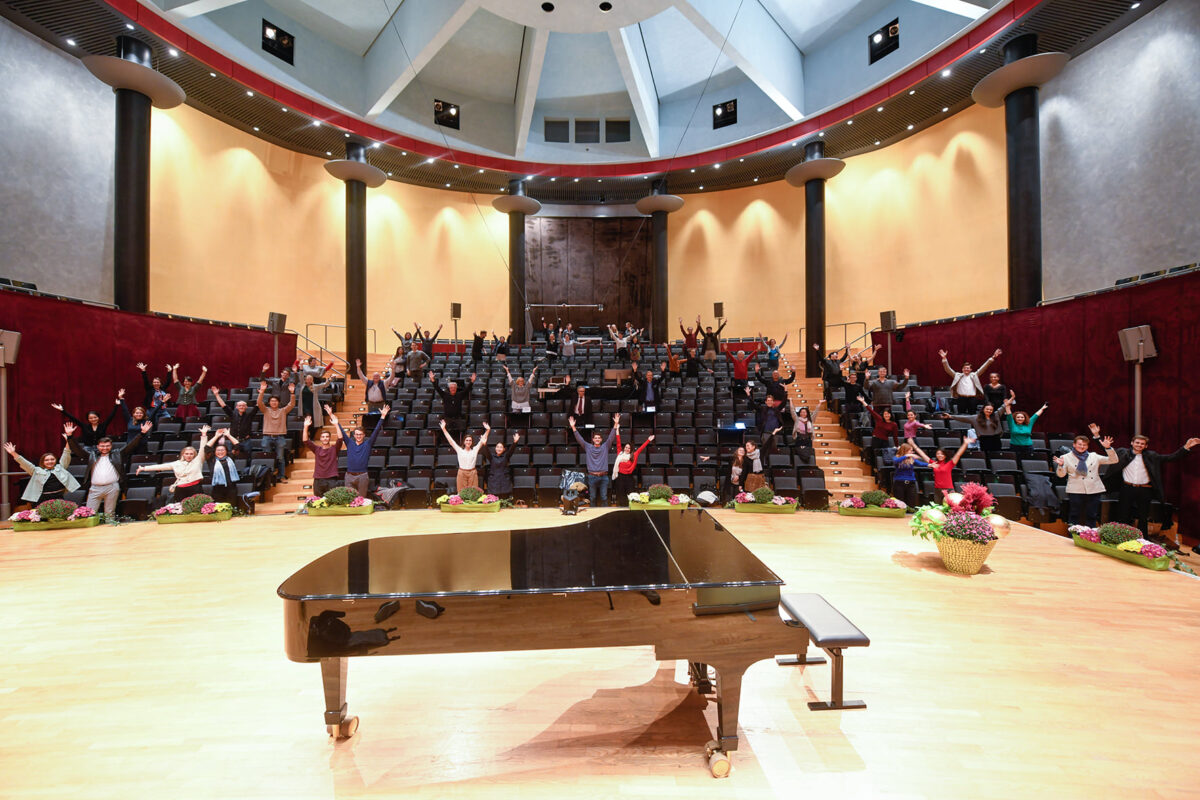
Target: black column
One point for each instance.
(356, 261)
(814, 266)
(1024, 185)
(659, 293)
(131, 189)
(516, 266)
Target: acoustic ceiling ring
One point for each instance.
(121, 74)
(1023, 73)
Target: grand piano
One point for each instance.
(672, 579)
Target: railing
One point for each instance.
(25, 290)
(321, 354)
(846, 340)
(325, 326)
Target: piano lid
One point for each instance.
(616, 551)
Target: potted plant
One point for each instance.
(469, 499)
(964, 528)
(764, 501)
(658, 496)
(1123, 542)
(874, 503)
(197, 508)
(338, 501)
(54, 514)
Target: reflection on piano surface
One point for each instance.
(673, 579)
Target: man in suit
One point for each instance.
(580, 405)
(456, 403)
(1137, 477)
(106, 469)
(647, 388)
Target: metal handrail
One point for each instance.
(56, 296)
(845, 326)
(327, 325)
(322, 352)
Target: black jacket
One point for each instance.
(455, 405)
(640, 383)
(119, 460)
(1153, 461)
(778, 389)
(572, 403)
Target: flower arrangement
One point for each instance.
(470, 498)
(969, 527)
(338, 501)
(1125, 542)
(55, 514)
(197, 508)
(657, 496)
(964, 527)
(873, 503)
(763, 500)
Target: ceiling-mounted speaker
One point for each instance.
(1137, 343)
(719, 310)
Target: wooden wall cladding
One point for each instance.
(582, 260)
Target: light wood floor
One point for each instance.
(147, 661)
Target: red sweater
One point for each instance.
(741, 369)
(883, 429)
(627, 467)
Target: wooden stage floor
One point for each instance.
(147, 661)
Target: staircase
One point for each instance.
(287, 495)
(845, 473)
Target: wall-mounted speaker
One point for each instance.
(456, 311)
(887, 320)
(719, 310)
(1132, 337)
(11, 341)
(276, 322)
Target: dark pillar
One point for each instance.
(1024, 185)
(131, 188)
(814, 266)
(658, 304)
(356, 261)
(516, 266)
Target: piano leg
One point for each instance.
(699, 675)
(729, 699)
(333, 679)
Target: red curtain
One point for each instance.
(1068, 355)
(79, 355)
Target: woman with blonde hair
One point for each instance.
(189, 469)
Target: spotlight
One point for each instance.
(128, 27)
(883, 41)
(278, 42)
(70, 42)
(316, 123)
(724, 114)
(946, 73)
(877, 38)
(249, 93)
(446, 114)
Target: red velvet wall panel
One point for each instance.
(1068, 354)
(79, 355)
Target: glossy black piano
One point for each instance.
(673, 579)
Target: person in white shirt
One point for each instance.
(1082, 471)
(468, 474)
(965, 386)
(106, 468)
(1139, 481)
(189, 469)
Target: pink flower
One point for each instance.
(208, 508)
(743, 497)
(312, 498)
(82, 512)
(454, 500)
(358, 502)
(892, 502)
(1089, 535)
(1152, 550)
(853, 502)
(29, 515)
(674, 499)
(488, 499)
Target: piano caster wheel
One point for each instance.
(345, 729)
(718, 760)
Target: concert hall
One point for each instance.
(782, 398)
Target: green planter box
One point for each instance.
(871, 511)
(655, 505)
(175, 519)
(765, 508)
(1161, 563)
(341, 511)
(467, 508)
(53, 525)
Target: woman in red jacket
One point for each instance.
(623, 467)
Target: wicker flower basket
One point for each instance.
(765, 508)
(464, 508)
(56, 524)
(962, 556)
(1160, 563)
(341, 511)
(871, 511)
(177, 519)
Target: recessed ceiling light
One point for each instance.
(821, 134)
(794, 143)
(389, 174)
(456, 166)
(910, 127)
(128, 27)
(528, 177)
(249, 93)
(879, 109)
(945, 109)
(403, 152)
(945, 73)
(701, 188)
(316, 123)
(70, 42)
(599, 180)
(552, 180)
(284, 110)
(877, 144)
(480, 172)
(430, 160)
(877, 38)
(1134, 6)
(756, 180)
(328, 153)
(577, 180)
(982, 50)
(911, 92)
(173, 52)
(849, 122)
(347, 135)
(212, 74)
(447, 186)
(255, 127)
(693, 169)
(716, 166)
(376, 145)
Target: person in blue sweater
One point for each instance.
(904, 482)
(597, 461)
(358, 453)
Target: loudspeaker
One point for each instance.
(11, 341)
(718, 310)
(276, 322)
(887, 320)
(456, 311)
(1129, 342)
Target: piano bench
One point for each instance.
(828, 630)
